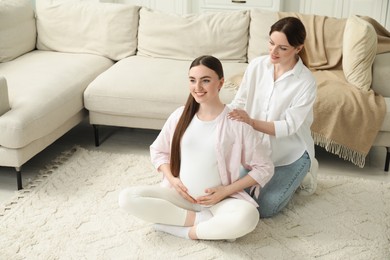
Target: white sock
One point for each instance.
(203, 215)
(173, 230)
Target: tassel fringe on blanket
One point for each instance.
(357, 158)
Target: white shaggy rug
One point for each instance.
(71, 212)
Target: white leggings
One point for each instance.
(232, 218)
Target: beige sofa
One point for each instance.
(140, 91)
(125, 64)
(44, 71)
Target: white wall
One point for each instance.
(377, 9)
(290, 5)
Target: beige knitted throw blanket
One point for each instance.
(346, 119)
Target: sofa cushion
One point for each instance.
(222, 34)
(17, 29)
(381, 74)
(147, 87)
(359, 51)
(386, 121)
(105, 29)
(260, 26)
(4, 101)
(47, 95)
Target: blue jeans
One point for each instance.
(276, 194)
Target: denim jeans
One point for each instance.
(276, 194)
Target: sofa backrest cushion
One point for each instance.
(359, 51)
(17, 29)
(260, 25)
(221, 34)
(105, 29)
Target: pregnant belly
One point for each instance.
(198, 183)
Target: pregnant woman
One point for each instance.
(199, 151)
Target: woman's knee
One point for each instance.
(252, 219)
(127, 196)
(271, 204)
(245, 221)
(267, 212)
(123, 198)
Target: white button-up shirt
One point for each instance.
(288, 102)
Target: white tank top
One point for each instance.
(198, 168)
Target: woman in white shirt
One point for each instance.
(200, 151)
(276, 98)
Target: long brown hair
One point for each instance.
(190, 109)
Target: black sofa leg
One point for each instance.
(387, 161)
(96, 133)
(19, 178)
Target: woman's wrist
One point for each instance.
(252, 123)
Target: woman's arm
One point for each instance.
(216, 194)
(160, 152)
(257, 157)
(160, 149)
(258, 125)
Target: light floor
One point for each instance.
(126, 140)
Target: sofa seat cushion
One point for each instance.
(147, 87)
(45, 90)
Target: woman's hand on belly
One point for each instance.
(214, 195)
(181, 189)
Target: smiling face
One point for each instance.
(280, 51)
(204, 84)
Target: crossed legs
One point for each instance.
(228, 219)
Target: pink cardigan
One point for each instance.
(237, 145)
